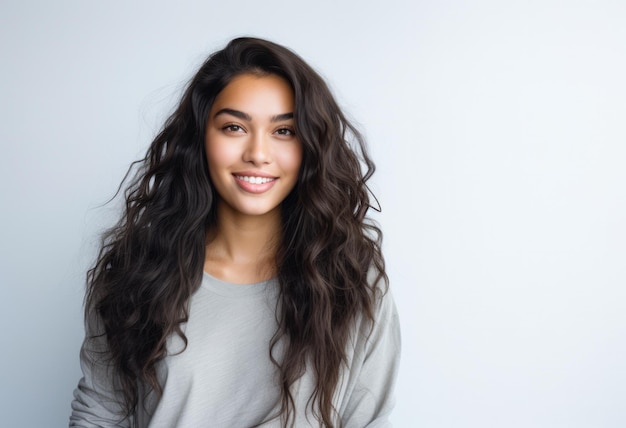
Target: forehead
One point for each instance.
(256, 95)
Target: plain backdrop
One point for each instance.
(498, 129)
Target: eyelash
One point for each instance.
(289, 133)
(229, 128)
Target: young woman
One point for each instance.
(243, 285)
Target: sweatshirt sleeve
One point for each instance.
(96, 400)
(369, 396)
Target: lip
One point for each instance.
(254, 174)
(254, 187)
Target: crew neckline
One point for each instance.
(230, 289)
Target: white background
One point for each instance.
(498, 129)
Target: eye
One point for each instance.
(286, 132)
(231, 127)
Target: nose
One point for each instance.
(258, 149)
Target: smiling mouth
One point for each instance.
(255, 179)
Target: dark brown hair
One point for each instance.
(151, 262)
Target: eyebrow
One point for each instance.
(281, 117)
(245, 116)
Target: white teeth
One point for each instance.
(255, 180)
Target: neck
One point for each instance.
(242, 248)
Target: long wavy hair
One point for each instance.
(151, 261)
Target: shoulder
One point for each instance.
(384, 307)
(384, 325)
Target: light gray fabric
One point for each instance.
(225, 377)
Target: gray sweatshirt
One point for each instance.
(225, 378)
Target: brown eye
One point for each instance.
(285, 131)
(232, 128)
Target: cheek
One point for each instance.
(291, 159)
(218, 155)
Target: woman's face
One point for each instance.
(252, 151)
